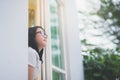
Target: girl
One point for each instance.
(37, 40)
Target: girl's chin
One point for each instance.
(44, 45)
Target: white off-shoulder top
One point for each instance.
(34, 61)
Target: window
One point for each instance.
(57, 53)
(34, 13)
(57, 75)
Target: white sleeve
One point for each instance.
(31, 58)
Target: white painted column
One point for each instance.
(13, 39)
(73, 41)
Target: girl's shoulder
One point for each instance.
(33, 52)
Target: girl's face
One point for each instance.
(41, 38)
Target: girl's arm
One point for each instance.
(30, 72)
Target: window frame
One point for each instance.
(47, 65)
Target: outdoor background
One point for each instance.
(99, 26)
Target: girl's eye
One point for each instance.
(42, 33)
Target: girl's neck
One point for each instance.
(39, 48)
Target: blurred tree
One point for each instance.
(110, 12)
(101, 64)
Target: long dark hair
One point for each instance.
(32, 42)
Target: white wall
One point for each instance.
(13, 39)
(73, 41)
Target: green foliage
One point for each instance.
(110, 12)
(100, 64)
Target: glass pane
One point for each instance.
(58, 75)
(31, 20)
(56, 44)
